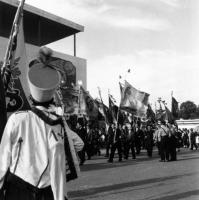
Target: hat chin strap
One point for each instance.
(44, 104)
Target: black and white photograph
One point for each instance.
(99, 100)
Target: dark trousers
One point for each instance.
(108, 144)
(149, 151)
(82, 155)
(127, 147)
(117, 145)
(138, 146)
(172, 148)
(18, 189)
(164, 148)
(193, 144)
(87, 149)
(149, 147)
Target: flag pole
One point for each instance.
(14, 32)
(118, 113)
(105, 117)
(171, 99)
(15, 27)
(100, 95)
(79, 96)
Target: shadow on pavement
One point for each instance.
(97, 190)
(106, 165)
(182, 195)
(190, 158)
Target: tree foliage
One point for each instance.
(189, 110)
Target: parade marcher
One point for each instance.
(193, 139)
(149, 141)
(89, 141)
(172, 143)
(116, 144)
(125, 140)
(109, 138)
(81, 131)
(138, 137)
(129, 143)
(97, 141)
(163, 138)
(185, 138)
(34, 149)
(157, 139)
(179, 138)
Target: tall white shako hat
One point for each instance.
(43, 79)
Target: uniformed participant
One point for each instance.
(163, 137)
(34, 152)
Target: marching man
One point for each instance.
(37, 146)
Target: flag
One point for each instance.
(150, 114)
(103, 110)
(15, 76)
(73, 100)
(90, 104)
(12, 97)
(134, 101)
(113, 110)
(169, 117)
(15, 67)
(121, 88)
(160, 114)
(174, 108)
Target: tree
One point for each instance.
(197, 111)
(188, 110)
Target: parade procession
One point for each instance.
(59, 140)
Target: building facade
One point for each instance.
(187, 123)
(41, 28)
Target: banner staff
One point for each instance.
(79, 82)
(12, 38)
(100, 95)
(7, 64)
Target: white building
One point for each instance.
(189, 123)
(41, 28)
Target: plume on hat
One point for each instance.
(45, 54)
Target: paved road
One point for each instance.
(140, 179)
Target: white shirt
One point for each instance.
(42, 152)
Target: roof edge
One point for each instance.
(46, 14)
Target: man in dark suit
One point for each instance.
(109, 138)
(129, 142)
(116, 143)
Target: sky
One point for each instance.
(157, 39)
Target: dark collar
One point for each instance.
(41, 114)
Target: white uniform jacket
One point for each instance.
(34, 151)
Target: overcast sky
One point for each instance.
(157, 39)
